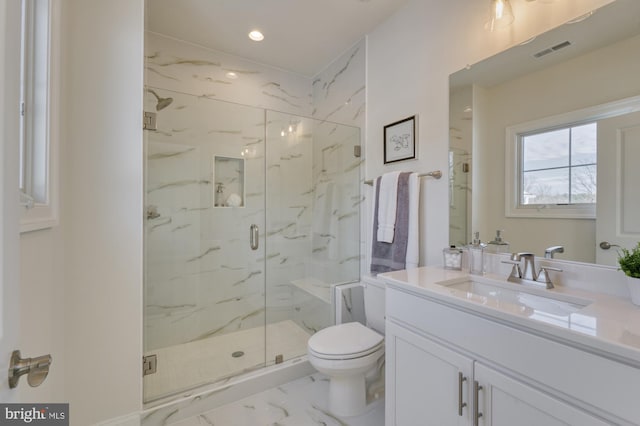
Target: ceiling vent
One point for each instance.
(552, 49)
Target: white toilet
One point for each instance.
(347, 352)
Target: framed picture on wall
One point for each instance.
(400, 140)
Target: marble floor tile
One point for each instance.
(302, 402)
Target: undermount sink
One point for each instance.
(530, 301)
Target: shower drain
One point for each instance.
(237, 354)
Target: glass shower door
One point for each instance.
(204, 315)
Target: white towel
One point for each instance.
(413, 237)
(388, 202)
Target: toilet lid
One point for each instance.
(345, 339)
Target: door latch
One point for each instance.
(36, 369)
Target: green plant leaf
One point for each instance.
(629, 261)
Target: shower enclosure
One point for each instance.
(251, 216)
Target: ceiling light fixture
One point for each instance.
(527, 41)
(500, 15)
(256, 35)
(231, 75)
(581, 18)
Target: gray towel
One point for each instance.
(387, 257)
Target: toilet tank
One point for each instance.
(374, 302)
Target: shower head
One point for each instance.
(162, 102)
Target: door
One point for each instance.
(9, 208)
(618, 221)
(504, 401)
(430, 384)
(204, 313)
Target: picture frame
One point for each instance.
(400, 140)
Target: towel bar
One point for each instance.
(437, 174)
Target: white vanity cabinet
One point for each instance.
(504, 401)
(429, 381)
(442, 358)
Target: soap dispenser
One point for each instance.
(218, 202)
(498, 245)
(476, 255)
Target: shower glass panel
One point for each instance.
(204, 284)
(252, 217)
(313, 226)
(459, 196)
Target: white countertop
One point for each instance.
(608, 326)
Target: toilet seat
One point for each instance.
(345, 341)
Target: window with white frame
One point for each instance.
(550, 163)
(36, 142)
(558, 166)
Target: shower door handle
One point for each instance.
(254, 237)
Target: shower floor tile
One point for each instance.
(302, 402)
(192, 364)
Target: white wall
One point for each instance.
(102, 207)
(409, 59)
(42, 310)
(9, 211)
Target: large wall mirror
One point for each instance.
(545, 140)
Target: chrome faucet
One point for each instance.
(548, 253)
(529, 268)
(527, 273)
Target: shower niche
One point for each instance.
(228, 181)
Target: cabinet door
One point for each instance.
(504, 401)
(425, 383)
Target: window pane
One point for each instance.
(584, 144)
(545, 187)
(545, 150)
(583, 184)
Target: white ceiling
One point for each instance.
(303, 36)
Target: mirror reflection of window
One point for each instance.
(559, 166)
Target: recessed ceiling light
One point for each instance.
(231, 75)
(256, 35)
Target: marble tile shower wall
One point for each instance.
(312, 226)
(194, 273)
(335, 234)
(339, 96)
(290, 192)
(339, 90)
(183, 67)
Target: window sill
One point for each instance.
(37, 218)
(550, 211)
